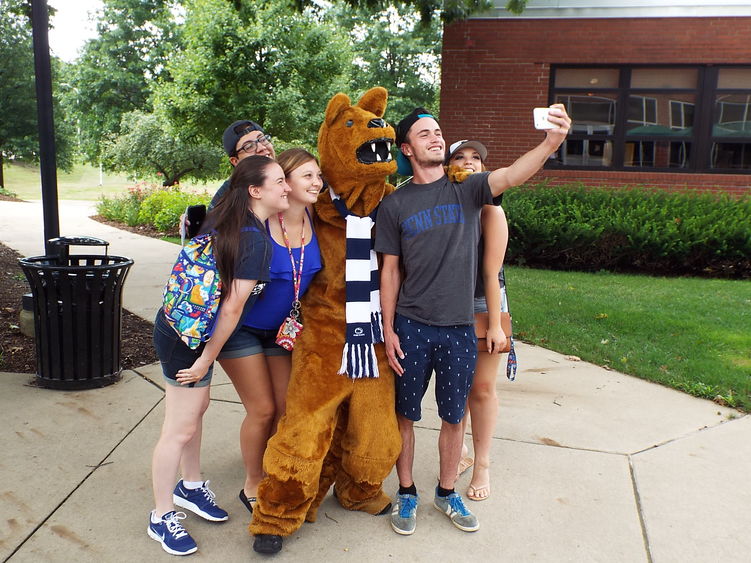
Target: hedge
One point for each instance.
(573, 227)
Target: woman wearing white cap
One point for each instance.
(470, 156)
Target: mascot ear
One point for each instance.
(374, 100)
(337, 104)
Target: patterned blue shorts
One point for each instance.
(450, 351)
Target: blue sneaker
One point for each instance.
(199, 501)
(453, 507)
(171, 534)
(404, 515)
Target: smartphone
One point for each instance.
(541, 119)
(195, 214)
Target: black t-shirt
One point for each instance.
(254, 259)
(480, 285)
(219, 193)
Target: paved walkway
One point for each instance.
(588, 464)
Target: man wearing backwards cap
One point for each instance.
(243, 138)
(431, 227)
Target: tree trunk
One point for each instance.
(2, 178)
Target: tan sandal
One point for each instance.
(464, 464)
(478, 493)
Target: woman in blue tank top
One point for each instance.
(257, 366)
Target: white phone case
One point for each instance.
(541, 119)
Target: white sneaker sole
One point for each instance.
(154, 536)
(462, 528)
(187, 505)
(403, 532)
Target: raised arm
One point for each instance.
(526, 165)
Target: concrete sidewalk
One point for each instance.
(588, 464)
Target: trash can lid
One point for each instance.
(78, 241)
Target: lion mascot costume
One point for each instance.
(341, 388)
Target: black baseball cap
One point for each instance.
(237, 131)
(404, 125)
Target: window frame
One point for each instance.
(702, 140)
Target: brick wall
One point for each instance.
(495, 71)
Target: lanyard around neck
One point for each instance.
(296, 275)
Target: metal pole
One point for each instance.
(47, 154)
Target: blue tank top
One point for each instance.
(274, 304)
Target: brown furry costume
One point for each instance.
(367, 440)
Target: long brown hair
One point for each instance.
(231, 213)
(294, 158)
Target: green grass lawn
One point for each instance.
(81, 182)
(688, 333)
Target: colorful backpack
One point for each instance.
(191, 296)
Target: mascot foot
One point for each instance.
(267, 543)
(369, 509)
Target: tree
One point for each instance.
(19, 137)
(259, 61)
(116, 69)
(148, 146)
(449, 10)
(17, 96)
(393, 50)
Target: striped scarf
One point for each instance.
(363, 308)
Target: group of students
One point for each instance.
(266, 253)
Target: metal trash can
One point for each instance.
(77, 314)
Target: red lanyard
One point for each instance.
(296, 276)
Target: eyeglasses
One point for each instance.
(251, 147)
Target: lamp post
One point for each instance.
(47, 154)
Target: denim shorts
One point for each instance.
(449, 350)
(480, 305)
(174, 354)
(249, 341)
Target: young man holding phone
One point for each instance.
(427, 233)
(241, 139)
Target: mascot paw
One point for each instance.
(456, 174)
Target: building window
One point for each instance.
(657, 118)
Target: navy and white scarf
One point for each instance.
(363, 308)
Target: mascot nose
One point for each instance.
(377, 122)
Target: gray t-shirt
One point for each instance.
(435, 229)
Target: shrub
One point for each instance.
(163, 208)
(124, 209)
(146, 204)
(572, 227)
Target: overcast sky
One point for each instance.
(71, 26)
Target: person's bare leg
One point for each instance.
(184, 407)
(449, 448)
(464, 465)
(190, 462)
(406, 458)
(483, 404)
(280, 368)
(251, 378)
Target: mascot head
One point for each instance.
(354, 144)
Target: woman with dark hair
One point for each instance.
(242, 250)
(490, 300)
(258, 367)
